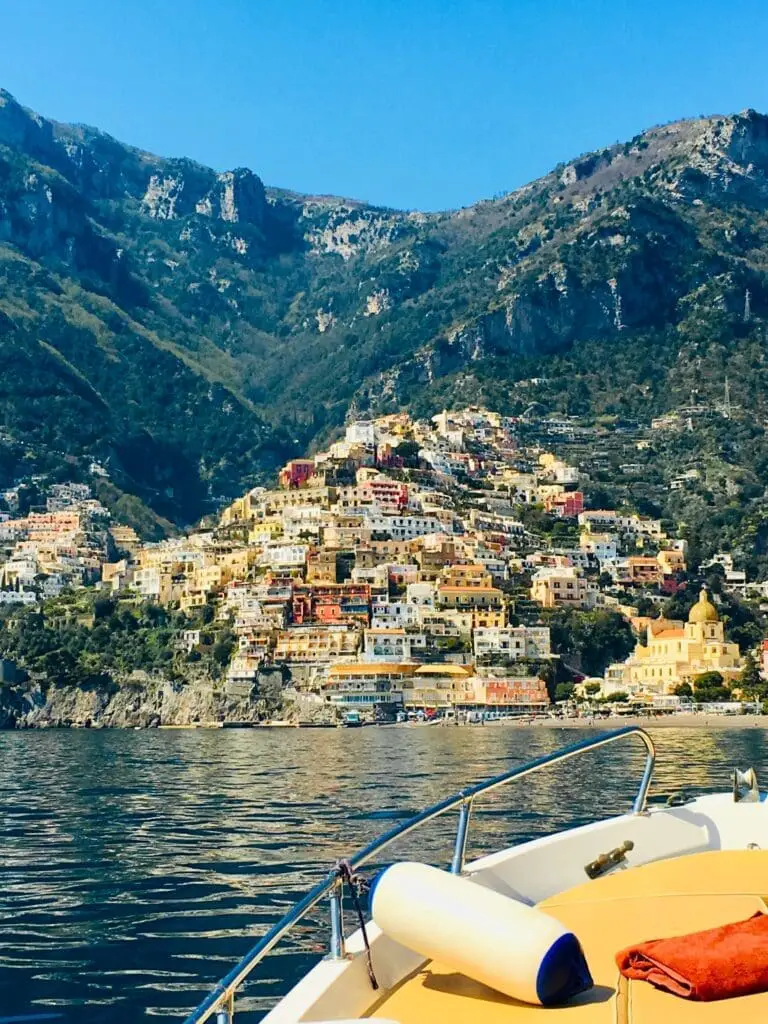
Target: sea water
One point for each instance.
(137, 867)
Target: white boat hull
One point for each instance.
(531, 872)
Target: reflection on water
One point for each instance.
(137, 867)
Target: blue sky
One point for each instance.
(425, 104)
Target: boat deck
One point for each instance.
(662, 899)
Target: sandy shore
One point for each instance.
(647, 722)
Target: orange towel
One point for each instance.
(719, 963)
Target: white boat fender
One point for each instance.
(491, 938)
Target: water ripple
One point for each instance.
(138, 866)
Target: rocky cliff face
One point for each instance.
(139, 702)
(288, 310)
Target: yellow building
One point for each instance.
(554, 586)
(236, 564)
(125, 538)
(671, 560)
(237, 512)
(438, 686)
(367, 683)
(460, 575)
(311, 644)
(673, 656)
(467, 598)
(265, 530)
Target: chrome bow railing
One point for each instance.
(221, 1000)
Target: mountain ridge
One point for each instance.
(222, 325)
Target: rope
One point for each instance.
(358, 886)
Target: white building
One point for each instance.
(361, 432)
(284, 556)
(492, 522)
(52, 586)
(735, 579)
(404, 527)
(603, 546)
(512, 642)
(190, 638)
(393, 645)
(387, 614)
(420, 594)
(302, 521)
(18, 597)
(63, 496)
(576, 557)
(601, 520)
(149, 584)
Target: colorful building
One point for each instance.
(676, 655)
(296, 472)
(567, 505)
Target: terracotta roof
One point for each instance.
(669, 634)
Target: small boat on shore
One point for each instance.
(352, 720)
(533, 930)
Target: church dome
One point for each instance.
(703, 610)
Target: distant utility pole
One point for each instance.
(747, 306)
(727, 397)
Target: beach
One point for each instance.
(691, 721)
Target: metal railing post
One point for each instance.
(460, 847)
(337, 922)
(642, 794)
(226, 1014)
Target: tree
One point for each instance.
(683, 690)
(597, 637)
(706, 680)
(564, 691)
(591, 689)
(645, 606)
(751, 683)
(709, 687)
(408, 451)
(224, 648)
(680, 604)
(742, 623)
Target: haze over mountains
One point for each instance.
(192, 329)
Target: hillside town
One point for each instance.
(411, 568)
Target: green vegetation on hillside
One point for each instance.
(82, 639)
(192, 330)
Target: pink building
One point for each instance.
(296, 472)
(568, 505)
(391, 495)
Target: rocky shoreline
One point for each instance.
(145, 703)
